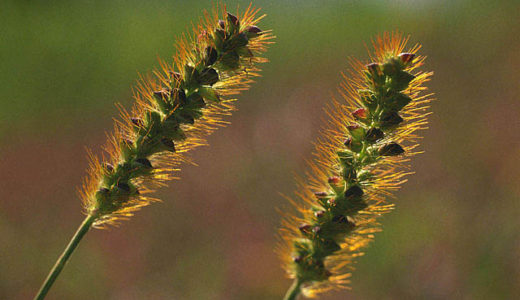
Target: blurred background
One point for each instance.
(63, 64)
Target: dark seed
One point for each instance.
(373, 68)
(254, 29)
(169, 144)
(391, 149)
(209, 77)
(145, 162)
(340, 219)
(354, 192)
(406, 57)
(179, 96)
(123, 186)
(374, 134)
(391, 118)
(211, 56)
(233, 19)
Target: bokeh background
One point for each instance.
(63, 64)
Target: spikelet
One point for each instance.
(175, 109)
(359, 161)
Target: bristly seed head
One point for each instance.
(384, 102)
(176, 108)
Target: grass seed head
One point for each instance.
(370, 135)
(175, 109)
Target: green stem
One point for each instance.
(294, 290)
(82, 230)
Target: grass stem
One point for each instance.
(55, 272)
(294, 290)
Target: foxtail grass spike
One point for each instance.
(360, 160)
(175, 109)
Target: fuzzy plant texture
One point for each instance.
(175, 109)
(360, 160)
(174, 112)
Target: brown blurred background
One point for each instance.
(454, 235)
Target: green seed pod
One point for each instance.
(356, 131)
(391, 67)
(196, 100)
(230, 60)
(209, 93)
(237, 41)
(233, 24)
(162, 99)
(401, 80)
(397, 101)
(219, 36)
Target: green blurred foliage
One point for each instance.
(454, 234)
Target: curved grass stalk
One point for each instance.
(174, 111)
